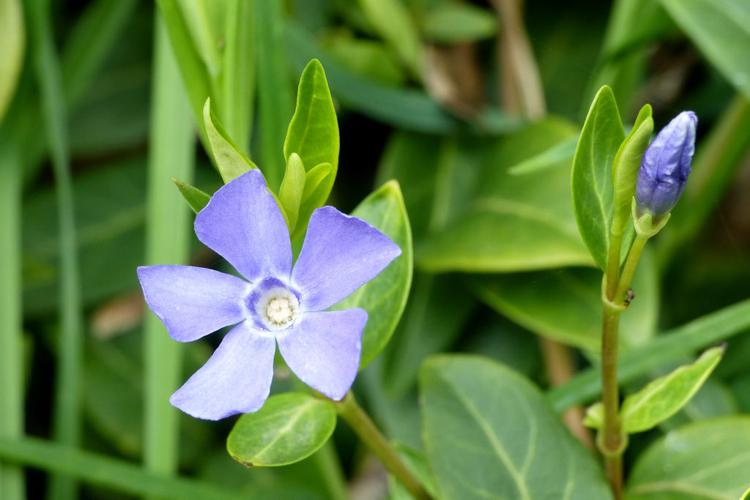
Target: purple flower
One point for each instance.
(666, 165)
(276, 303)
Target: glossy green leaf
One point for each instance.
(529, 217)
(12, 40)
(229, 160)
(384, 298)
(453, 22)
(196, 198)
(565, 304)
(288, 428)
(721, 30)
(598, 143)
(314, 131)
(625, 168)
(707, 459)
(393, 22)
(489, 431)
(292, 189)
(666, 395)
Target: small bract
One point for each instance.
(276, 303)
(666, 165)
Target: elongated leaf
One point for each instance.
(13, 43)
(384, 298)
(292, 188)
(314, 130)
(598, 143)
(514, 222)
(707, 459)
(238, 71)
(453, 22)
(229, 159)
(668, 348)
(487, 430)
(721, 30)
(565, 304)
(393, 22)
(664, 397)
(289, 427)
(196, 198)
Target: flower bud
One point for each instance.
(666, 165)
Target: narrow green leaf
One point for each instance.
(453, 22)
(626, 165)
(598, 143)
(313, 179)
(229, 160)
(664, 396)
(274, 89)
(393, 22)
(196, 198)
(488, 429)
(314, 130)
(721, 30)
(290, 427)
(238, 72)
(316, 183)
(707, 459)
(564, 150)
(292, 189)
(384, 298)
(13, 41)
(104, 470)
(667, 348)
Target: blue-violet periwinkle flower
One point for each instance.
(666, 165)
(276, 303)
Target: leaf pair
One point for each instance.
(605, 167)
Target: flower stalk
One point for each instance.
(368, 432)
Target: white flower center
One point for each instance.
(278, 308)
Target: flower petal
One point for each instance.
(193, 301)
(236, 379)
(340, 254)
(323, 350)
(243, 224)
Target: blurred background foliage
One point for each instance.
(473, 106)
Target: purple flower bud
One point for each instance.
(666, 165)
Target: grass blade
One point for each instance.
(11, 349)
(67, 390)
(106, 471)
(167, 230)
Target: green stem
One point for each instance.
(612, 441)
(68, 389)
(11, 348)
(368, 432)
(167, 236)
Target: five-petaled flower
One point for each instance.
(276, 303)
(666, 165)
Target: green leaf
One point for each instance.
(12, 40)
(667, 348)
(489, 431)
(292, 189)
(529, 217)
(290, 427)
(666, 395)
(626, 165)
(592, 173)
(314, 130)
(707, 459)
(316, 182)
(196, 198)
(229, 160)
(721, 30)
(565, 304)
(384, 298)
(452, 22)
(551, 157)
(371, 59)
(392, 21)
